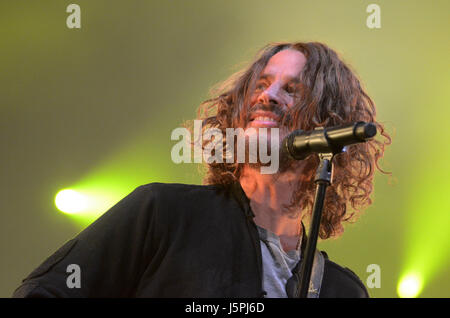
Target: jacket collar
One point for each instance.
(242, 199)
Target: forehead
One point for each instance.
(286, 63)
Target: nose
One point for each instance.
(270, 96)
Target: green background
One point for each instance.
(94, 108)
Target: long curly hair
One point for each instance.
(330, 94)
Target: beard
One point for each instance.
(286, 163)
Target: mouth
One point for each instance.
(263, 119)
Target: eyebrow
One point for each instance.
(294, 80)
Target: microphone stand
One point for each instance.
(326, 144)
(322, 180)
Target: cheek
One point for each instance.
(253, 99)
(289, 101)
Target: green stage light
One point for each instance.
(70, 201)
(410, 286)
(427, 217)
(86, 204)
(138, 163)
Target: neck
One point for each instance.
(269, 195)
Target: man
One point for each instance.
(241, 235)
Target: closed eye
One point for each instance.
(261, 86)
(292, 89)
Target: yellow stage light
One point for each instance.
(70, 201)
(410, 286)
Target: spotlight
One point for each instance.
(70, 201)
(410, 286)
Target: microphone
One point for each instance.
(300, 144)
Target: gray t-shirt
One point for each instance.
(277, 264)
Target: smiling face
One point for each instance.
(275, 89)
(331, 94)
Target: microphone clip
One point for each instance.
(324, 172)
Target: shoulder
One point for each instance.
(154, 202)
(147, 206)
(176, 195)
(163, 190)
(171, 199)
(341, 282)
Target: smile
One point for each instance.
(264, 119)
(263, 122)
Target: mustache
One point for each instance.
(274, 108)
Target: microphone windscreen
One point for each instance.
(364, 131)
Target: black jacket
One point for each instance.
(171, 240)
